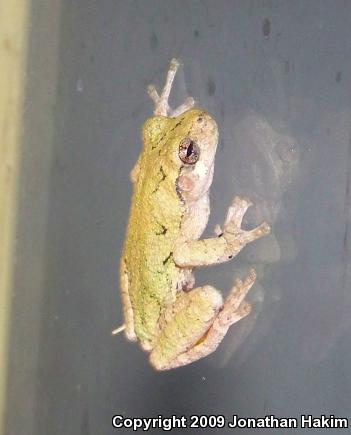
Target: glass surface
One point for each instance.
(275, 76)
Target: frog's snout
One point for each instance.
(206, 123)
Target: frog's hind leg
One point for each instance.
(127, 306)
(184, 323)
(161, 101)
(199, 323)
(188, 104)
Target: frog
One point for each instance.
(174, 321)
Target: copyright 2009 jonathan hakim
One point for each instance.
(304, 421)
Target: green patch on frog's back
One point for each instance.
(154, 225)
(149, 299)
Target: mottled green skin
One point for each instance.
(154, 223)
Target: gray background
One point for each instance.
(276, 77)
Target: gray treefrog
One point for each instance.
(174, 321)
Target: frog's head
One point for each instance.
(194, 147)
(186, 147)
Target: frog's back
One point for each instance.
(154, 223)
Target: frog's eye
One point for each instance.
(189, 151)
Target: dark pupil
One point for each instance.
(190, 149)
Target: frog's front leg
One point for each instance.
(161, 101)
(198, 323)
(204, 252)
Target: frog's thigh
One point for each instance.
(127, 306)
(165, 357)
(192, 315)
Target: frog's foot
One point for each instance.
(233, 222)
(161, 101)
(199, 323)
(234, 307)
(188, 104)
